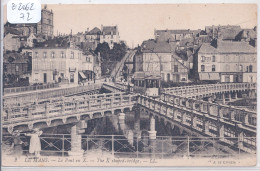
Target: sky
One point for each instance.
(137, 23)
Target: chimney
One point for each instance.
(101, 27)
(87, 29)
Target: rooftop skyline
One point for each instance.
(137, 22)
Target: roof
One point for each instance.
(173, 31)
(56, 42)
(11, 31)
(227, 47)
(158, 47)
(165, 37)
(229, 33)
(94, 31)
(186, 41)
(109, 29)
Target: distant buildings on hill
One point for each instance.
(218, 53)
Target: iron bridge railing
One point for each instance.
(119, 146)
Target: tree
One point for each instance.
(118, 51)
(104, 50)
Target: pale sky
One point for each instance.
(137, 22)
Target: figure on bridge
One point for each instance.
(35, 143)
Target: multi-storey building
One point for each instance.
(157, 59)
(109, 34)
(227, 61)
(61, 63)
(92, 38)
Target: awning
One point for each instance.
(82, 75)
(209, 76)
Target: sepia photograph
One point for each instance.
(131, 85)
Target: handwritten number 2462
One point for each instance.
(23, 16)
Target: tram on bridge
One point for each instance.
(150, 84)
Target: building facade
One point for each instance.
(109, 34)
(227, 62)
(56, 64)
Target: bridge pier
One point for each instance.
(152, 132)
(121, 121)
(223, 98)
(235, 95)
(76, 146)
(221, 131)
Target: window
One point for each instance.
(53, 54)
(175, 68)
(36, 54)
(213, 59)
(62, 54)
(16, 68)
(203, 59)
(250, 68)
(72, 77)
(44, 54)
(241, 68)
(213, 68)
(72, 55)
(202, 68)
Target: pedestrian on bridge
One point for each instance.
(35, 143)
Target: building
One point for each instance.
(45, 26)
(60, 61)
(157, 59)
(109, 34)
(178, 35)
(224, 32)
(27, 41)
(15, 64)
(227, 61)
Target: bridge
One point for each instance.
(34, 96)
(65, 111)
(176, 107)
(225, 91)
